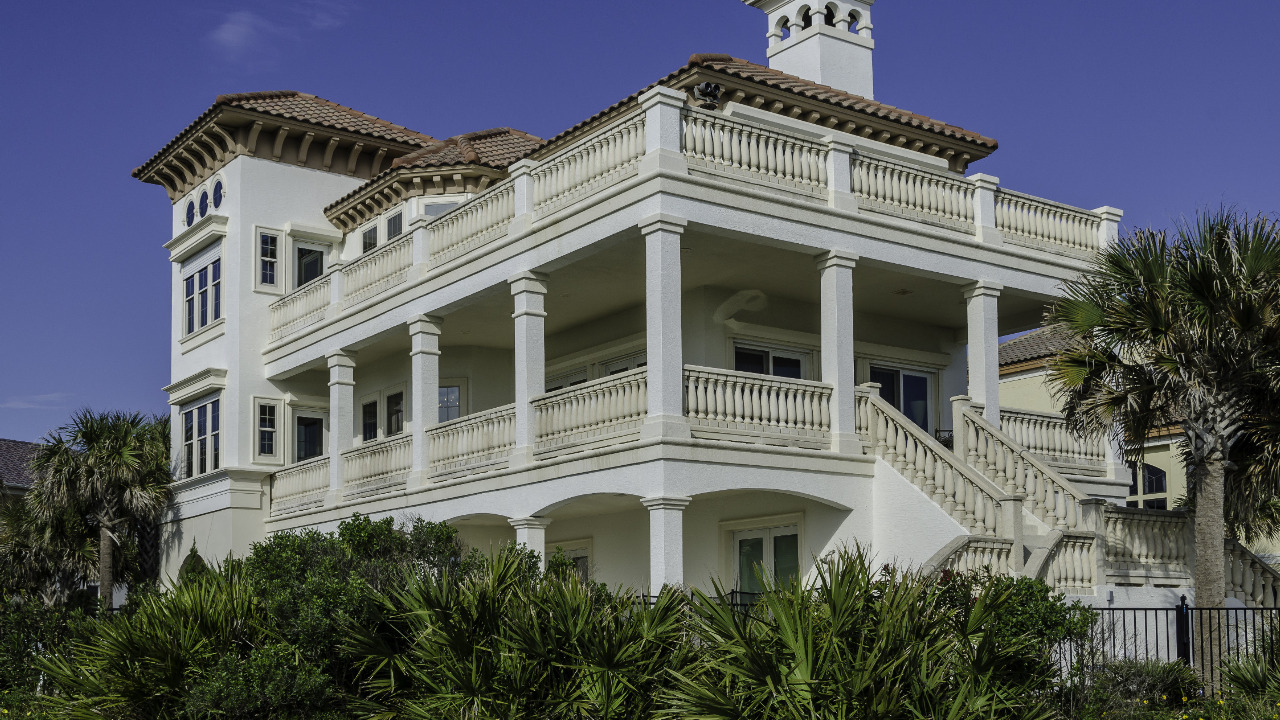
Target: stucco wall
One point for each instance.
(1027, 391)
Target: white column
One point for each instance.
(984, 346)
(529, 289)
(663, 335)
(532, 533)
(342, 408)
(1109, 228)
(666, 541)
(424, 386)
(836, 276)
(984, 207)
(662, 131)
(840, 175)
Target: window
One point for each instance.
(906, 390)
(395, 226)
(771, 551)
(1153, 480)
(1156, 504)
(310, 437)
(577, 552)
(624, 364)
(191, 213)
(770, 361)
(450, 402)
(395, 413)
(200, 439)
(203, 292)
(369, 421)
(267, 430)
(569, 379)
(268, 249)
(310, 265)
(369, 240)
(217, 194)
(204, 204)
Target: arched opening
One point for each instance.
(855, 20)
(782, 29)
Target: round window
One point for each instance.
(217, 194)
(191, 213)
(204, 204)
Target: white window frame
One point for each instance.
(189, 417)
(212, 296)
(276, 458)
(377, 235)
(296, 412)
(380, 399)
(931, 387)
(464, 401)
(623, 363)
(577, 376)
(403, 211)
(802, 353)
(297, 245)
(728, 547)
(281, 261)
(575, 549)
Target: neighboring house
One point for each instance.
(647, 340)
(1159, 482)
(15, 466)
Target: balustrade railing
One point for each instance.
(1148, 542)
(1049, 496)
(973, 500)
(758, 404)
(588, 166)
(1047, 435)
(1035, 222)
(476, 222)
(979, 553)
(300, 308)
(753, 153)
(380, 270)
(300, 486)
(586, 412)
(473, 441)
(1249, 579)
(377, 463)
(913, 193)
(1072, 567)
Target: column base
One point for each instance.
(521, 455)
(847, 444)
(990, 236)
(665, 426)
(333, 497)
(669, 161)
(845, 201)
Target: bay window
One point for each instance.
(201, 446)
(202, 292)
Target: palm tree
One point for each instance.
(113, 465)
(48, 557)
(1183, 330)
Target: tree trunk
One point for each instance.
(1210, 570)
(106, 566)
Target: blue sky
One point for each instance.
(1157, 107)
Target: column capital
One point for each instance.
(529, 523)
(521, 167)
(982, 288)
(1110, 213)
(528, 281)
(838, 143)
(661, 95)
(666, 502)
(660, 222)
(984, 181)
(340, 358)
(425, 324)
(837, 258)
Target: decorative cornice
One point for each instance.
(197, 237)
(196, 385)
(399, 184)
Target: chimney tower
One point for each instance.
(828, 43)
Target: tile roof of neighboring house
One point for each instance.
(495, 148)
(15, 458)
(303, 107)
(1041, 343)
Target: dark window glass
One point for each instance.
(216, 272)
(266, 429)
(450, 403)
(267, 251)
(581, 567)
(1131, 503)
(786, 558)
(751, 361)
(310, 265)
(189, 287)
(395, 225)
(1153, 480)
(915, 399)
(1156, 504)
(888, 380)
(202, 282)
(786, 367)
(213, 416)
(395, 413)
(191, 214)
(1133, 478)
(217, 194)
(369, 421)
(370, 239)
(310, 432)
(204, 204)
(750, 558)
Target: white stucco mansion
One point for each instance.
(722, 323)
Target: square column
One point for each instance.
(532, 533)
(666, 541)
(984, 346)
(342, 409)
(664, 342)
(424, 386)
(529, 289)
(836, 272)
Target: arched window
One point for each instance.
(204, 204)
(191, 213)
(217, 194)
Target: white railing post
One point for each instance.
(337, 286)
(529, 291)
(424, 382)
(984, 207)
(984, 346)
(662, 131)
(840, 175)
(1109, 228)
(666, 541)
(522, 182)
(342, 408)
(835, 270)
(532, 533)
(1013, 527)
(959, 438)
(663, 334)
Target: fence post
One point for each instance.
(1183, 626)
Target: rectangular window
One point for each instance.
(266, 430)
(395, 413)
(310, 265)
(1156, 504)
(907, 391)
(774, 552)
(310, 437)
(201, 439)
(778, 363)
(395, 226)
(268, 254)
(202, 293)
(202, 286)
(1153, 480)
(189, 291)
(369, 421)
(450, 403)
(369, 240)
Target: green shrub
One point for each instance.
(272, 683)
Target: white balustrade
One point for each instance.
(970, 498)
(1043, 224)
(760, 404)
(300, 308)
(913, 192)
(1072, 565)
(753, 153)
(474, 223)
(1049, 496)
(300, 486)
(588, 166)
(474, 441)
(1047, 435)
(980, 553)
(380, 270)
(592, 410)
(1249, 579)
(378, 463)
(1148, 542)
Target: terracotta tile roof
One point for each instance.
(495, 148)
(1044, 342)
(15, 458)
